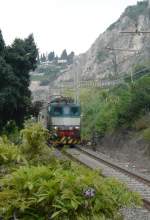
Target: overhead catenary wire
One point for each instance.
(115, 64)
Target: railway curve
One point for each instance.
(133, 180)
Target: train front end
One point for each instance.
(64, 123)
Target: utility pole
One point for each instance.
(76, 80)
(148, 3)
(131, 76)
(115, 59)
(138, 32)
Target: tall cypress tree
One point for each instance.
(15, 96)
(64, 55)
(2, 44)
(8, 83)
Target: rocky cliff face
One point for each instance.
(99, 62)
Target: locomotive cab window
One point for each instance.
(64, 111)
(57, 111)
(75, 111)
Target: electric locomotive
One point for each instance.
(61, 116)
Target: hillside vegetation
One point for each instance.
(46, 73)
(51, 66)
(126, 106)
(141, 8)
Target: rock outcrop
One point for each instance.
(102, 62)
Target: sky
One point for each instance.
(59, 24)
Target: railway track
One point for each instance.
(134, 181)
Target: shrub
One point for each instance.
(120, 107)
(143, 122)
(10, 156)
(34, 137)
(9, 152)
(59, 191)
(146, 134)
(12, 132)
(101, 56)
(34, 144)
(46, 188)
(134, 11)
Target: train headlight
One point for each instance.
(70, 128)
(56, 128)
(77, 127)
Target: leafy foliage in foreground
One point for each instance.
(8, 152)
(57, 192)
(12, 132)
(34, 144)
(43, 187)
(32, 149)
(10, 156)
(33, 137)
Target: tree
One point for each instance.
(2, 44)
(36, 107)
(64, 55)
(15, 96)
(38, 58)
(70, 57)
(51, 56)
(7, 82)
(8, 92)
(43, 57)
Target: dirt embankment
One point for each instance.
(127, 147)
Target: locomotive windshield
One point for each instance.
(64, 110)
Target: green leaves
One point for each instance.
(15, 63)
(55, 214)
(117, 108)
(9, 153)
(42, 187)
(51, 190)
(2, 44)
(146, 134)
(34, 138)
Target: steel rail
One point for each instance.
(136, 176)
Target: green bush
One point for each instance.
(9, 152)
(120, 107)
(134, 11)
(32, 149)
(42, 187)
(58, 192)
(11, 131)
(101, 56)
(34, 137)
(10, 156)
(146, 134)
(142, 123)
(34, 144)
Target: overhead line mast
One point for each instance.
(122, 50)
(148, 3)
